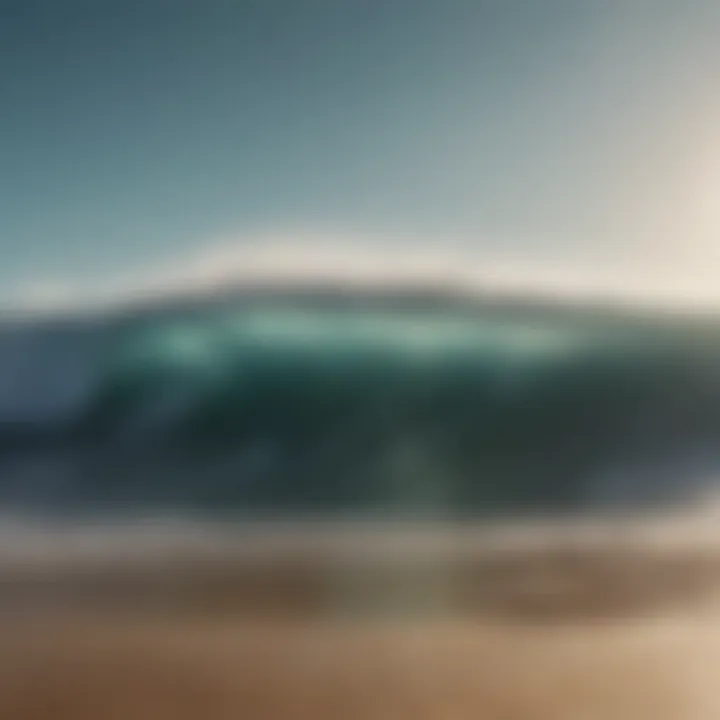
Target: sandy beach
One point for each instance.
(549, 624)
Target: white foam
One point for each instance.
(374, 261)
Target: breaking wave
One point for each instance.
(279, 407)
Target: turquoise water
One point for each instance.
(276, 410)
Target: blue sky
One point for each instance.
(134, 134)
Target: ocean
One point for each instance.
(274, 404)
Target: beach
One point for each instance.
(587, 621)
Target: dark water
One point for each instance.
(272, 409)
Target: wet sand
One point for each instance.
(609, 624)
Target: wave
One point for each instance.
(277, 405)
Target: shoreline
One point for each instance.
(548, 571)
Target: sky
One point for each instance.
(164, 137)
